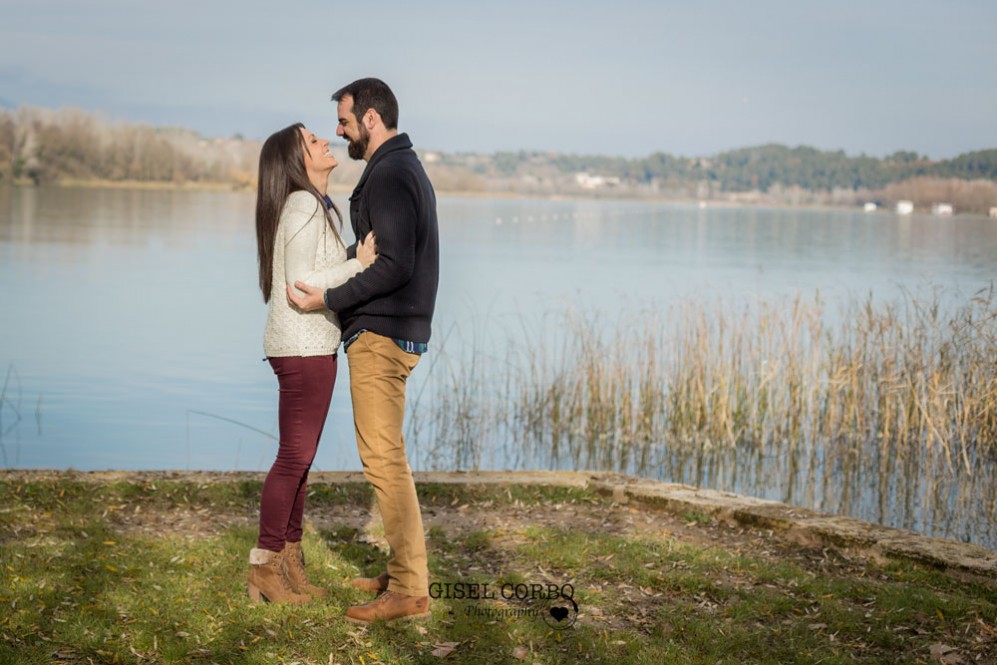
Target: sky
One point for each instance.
(623, 78)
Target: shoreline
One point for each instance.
(796, 525)
(345, 190)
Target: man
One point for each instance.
(386, 312)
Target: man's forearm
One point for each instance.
(383, 277)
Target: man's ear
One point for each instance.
(371, 118)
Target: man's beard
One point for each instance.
(357, 149)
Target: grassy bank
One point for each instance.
(154, 572)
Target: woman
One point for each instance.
(296, 240)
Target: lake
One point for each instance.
(132, 324)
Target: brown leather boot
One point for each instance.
(268, 579)
(377, 584)
(390, 606)
(294, 557)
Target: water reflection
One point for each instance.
(129, 217)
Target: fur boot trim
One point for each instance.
(258, 557)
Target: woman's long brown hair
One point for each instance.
(282, 171)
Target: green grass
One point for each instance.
(78, 587)
(444, 493)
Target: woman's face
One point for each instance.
(318, 159)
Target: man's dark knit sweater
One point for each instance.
(396, 295)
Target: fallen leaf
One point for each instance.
(945, 654)
(938, 649)
(444, 649)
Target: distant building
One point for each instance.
(587, 181)
(905, 207)
(870, 207)
(942, 209)
(993, 212)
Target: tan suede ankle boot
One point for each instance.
(268, 579)
(390, 606)
(294, 557)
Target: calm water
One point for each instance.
(131, 330)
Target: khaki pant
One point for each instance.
(378, 372)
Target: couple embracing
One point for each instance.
(377, 298)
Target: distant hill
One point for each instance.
(70, 144)
(760, 167)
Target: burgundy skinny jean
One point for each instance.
(305, 393)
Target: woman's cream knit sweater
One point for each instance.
(308, 250)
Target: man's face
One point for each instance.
(351, 129)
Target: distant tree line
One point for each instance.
(42, 145)
(761, 167)
(774, 174)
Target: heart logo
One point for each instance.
(559, 613)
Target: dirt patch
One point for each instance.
(508, 525)
(187, 521)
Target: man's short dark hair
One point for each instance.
(371, 93)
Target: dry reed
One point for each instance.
(884, 411)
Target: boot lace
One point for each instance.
(279, 565)
(297, 565)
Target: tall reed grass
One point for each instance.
(887, 411)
